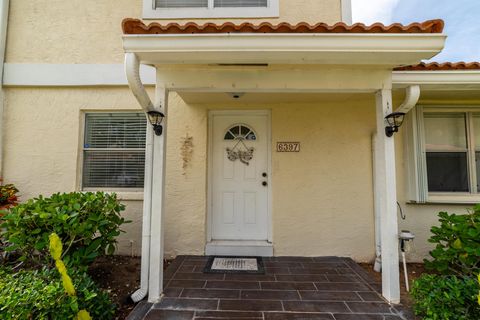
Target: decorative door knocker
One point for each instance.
(240, 151)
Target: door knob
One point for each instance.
(264, 183)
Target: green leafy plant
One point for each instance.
(8, 195)
(439, 297)
(87, 223)
(40, 295)
(457, 240)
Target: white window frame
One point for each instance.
(415, 154)
(123, 193)
(149, 12)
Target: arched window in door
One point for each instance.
(240, 132)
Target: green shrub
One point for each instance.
(457, 242)
(87, 223)
(439, 297)
(40, 295)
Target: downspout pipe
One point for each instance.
(4, 7)
(411, 99)
(132, 70)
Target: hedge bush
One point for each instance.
(439, 297)
(87, 223)
(457, 240)
(40, 295)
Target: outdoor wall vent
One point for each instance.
(236, 95)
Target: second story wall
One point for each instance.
(89, 31)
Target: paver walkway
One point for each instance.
(328, 288)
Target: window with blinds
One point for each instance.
(240, 3)
(203, 9)
(181, 3)
(114, 150)
(212, 4)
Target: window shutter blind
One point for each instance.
(181, 3)
(111, 169)
(115, 130)
(114, 150)
(240, 3)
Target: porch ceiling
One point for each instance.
(269, 98)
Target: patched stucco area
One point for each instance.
(185, 219)
(55, 38)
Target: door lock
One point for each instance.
(264, 174)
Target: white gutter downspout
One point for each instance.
(132, 69)
(411, 99)
(4, 6)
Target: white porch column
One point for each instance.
(386, 199)
(155, 288)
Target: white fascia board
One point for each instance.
(74, 75)
(438, 80)
(318, 48)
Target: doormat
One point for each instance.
(220, 264)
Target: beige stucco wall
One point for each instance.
(42, 141)
(322, 196)
(310, 213)
(89, 31)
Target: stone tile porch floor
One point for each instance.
(324, 288)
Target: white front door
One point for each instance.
(240, 178)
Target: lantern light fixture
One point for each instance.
(156, 119)
(395, 121)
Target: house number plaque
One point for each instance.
(288, 146)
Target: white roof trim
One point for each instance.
(70, 75)
(344, 49)
(438, 80)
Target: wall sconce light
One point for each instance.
(395, 121)
(156, 118)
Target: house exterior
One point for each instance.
(273, 139)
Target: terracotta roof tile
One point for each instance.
(435, 66)
(136, 26)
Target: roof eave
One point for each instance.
(386, 50)
(438, 80)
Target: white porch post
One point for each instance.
(386, 199)
(155, 288)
